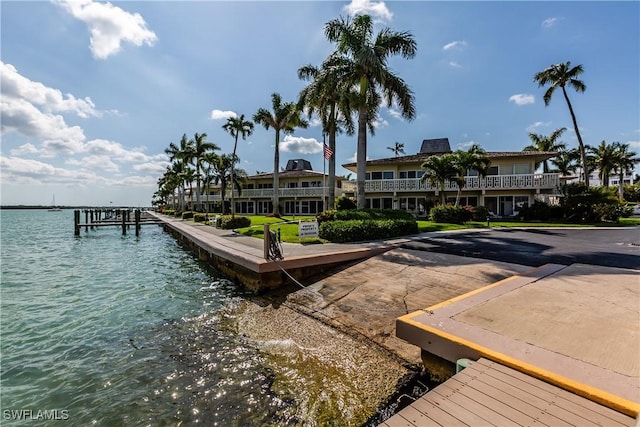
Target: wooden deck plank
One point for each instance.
(475, 391)
(438, 413)
(593, 412)
(398, 420)
(468, 411)
(417, 418)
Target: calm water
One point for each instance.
(117, 330)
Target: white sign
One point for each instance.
(307, 229)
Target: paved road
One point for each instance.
(618, 247)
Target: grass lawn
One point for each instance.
(288, 226)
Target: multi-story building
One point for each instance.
(511, 182)
(395, 183)
(302, 191)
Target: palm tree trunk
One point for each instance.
(621, 186)
(332, 162)
(276, 176)
(583, 154)
(361, 166)
(233, 162)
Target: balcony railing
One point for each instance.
(491, 182)
(267, 193)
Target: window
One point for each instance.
(269, 185)
(387, 175)
(379, 203)
(265, 207)
(291, 185)
(381, 175)
(522, 169)
(244, 207)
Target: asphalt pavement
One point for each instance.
(610, 247)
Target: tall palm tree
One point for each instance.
(329, 98)
(363, 63)
(475, 158)
(546, 143)
(604, 159)
(284, 118)
(198, 149)
(437, 170)
(559, 76)
(397, 149)
(219, 173)
(625, 161)
(237, 127)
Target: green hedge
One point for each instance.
(200, 217)
(355, 230)
(450, 214)
(170, 212)
(344, 203)
(187, 215)
(228, 222)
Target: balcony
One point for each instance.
(267, 193)
(538, 181)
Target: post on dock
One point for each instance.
(91, 216)
(267, 238)
(86, 220)
(123, 214)
(137, 218)
(76, 222)
(128, 217)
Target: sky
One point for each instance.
(93, 92)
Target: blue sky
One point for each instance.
(93, 92)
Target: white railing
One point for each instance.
(267, 193)
(491, 182)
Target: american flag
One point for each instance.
(328, 152)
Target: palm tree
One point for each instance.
(397, 149)
(604, 159)
(363, 63)
(561, 75)
(285, 118)
(220, 173)
(198, 149)
(545, 143)
(625, 161)
(464, 161)
(437, 170)
(327, 96)
(565, 162)
(237, 126)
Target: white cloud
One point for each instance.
(395, 113)
(534, 126)
(27, 148)
(222, 115)
(95, 162)
(17, 170)
(549, 22)
(466, 145)
(522, 99)
(298, 144)
(377, 9)
(458, 44)
(380, 123)
(454, 64)
(109, 26)
(634, 145)
(315, 122)
(14, 85)
(354, 158)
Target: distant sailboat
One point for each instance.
(53, 207)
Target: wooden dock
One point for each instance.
(490, 394)
(112, 217)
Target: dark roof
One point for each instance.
(435, 146)
(421, 157)
(292, 174)
(298, 165)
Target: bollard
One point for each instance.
(124, 222)
(488, 221)
(137, 218)
(76, 222)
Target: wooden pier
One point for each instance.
(112, 217)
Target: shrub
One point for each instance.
(200, 217)
(612, 211)
(372, 214)
(540, 211)
(169, 212)
(344, 203)
(579, 201)
(354, 230)
(450, 214)
(187, 215)
(632, 192)
(478, 213)
(328, 215)
(227, 222)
